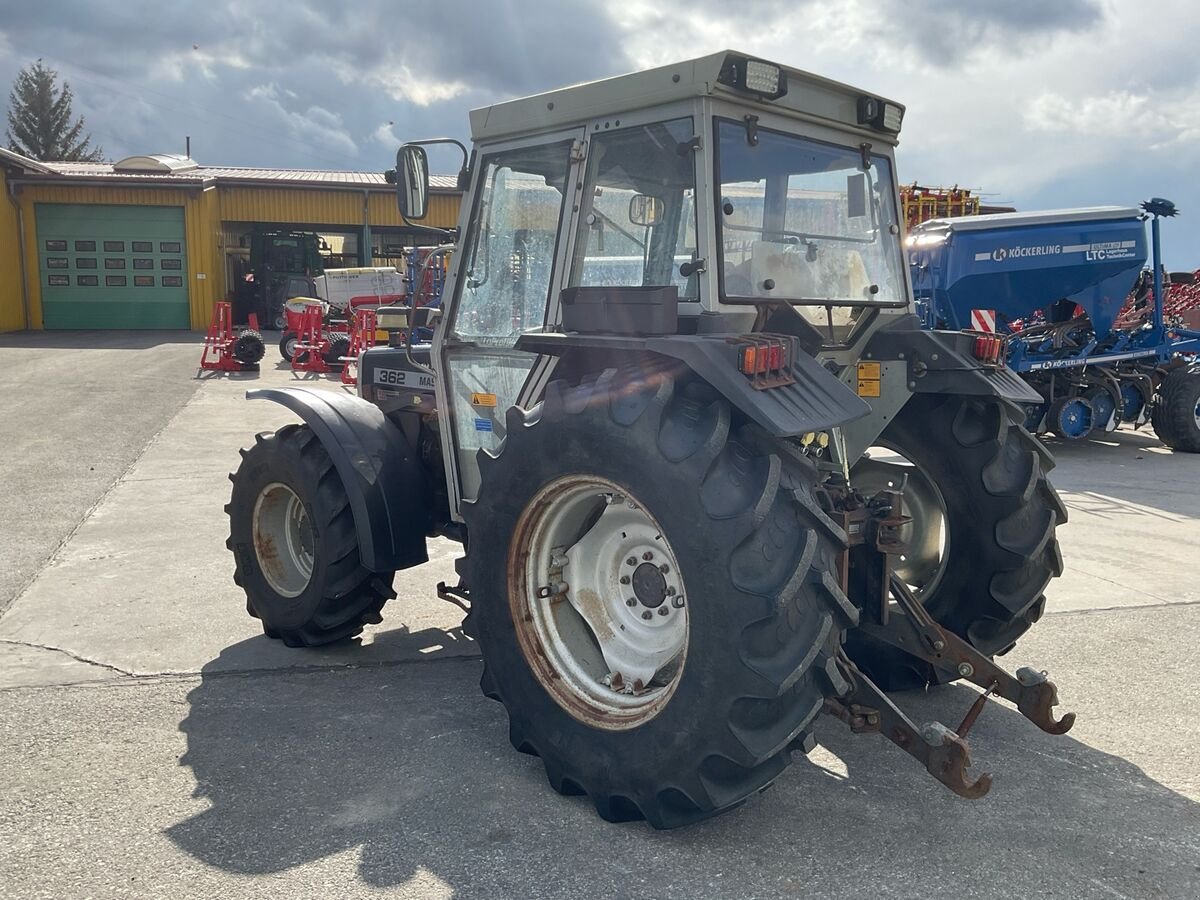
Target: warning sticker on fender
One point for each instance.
(869, 375)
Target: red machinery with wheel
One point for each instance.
(362, 337)
(228, 350)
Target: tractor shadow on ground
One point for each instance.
(1127, 473)
(410, 767)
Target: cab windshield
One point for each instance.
(803, 221)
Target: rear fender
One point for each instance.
(816, 400)
(940, 362)
(388, 489)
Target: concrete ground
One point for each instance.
(153, 743)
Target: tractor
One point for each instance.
(711, 477)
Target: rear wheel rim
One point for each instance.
(598, 602)
(283, 539)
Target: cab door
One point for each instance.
(506, 279)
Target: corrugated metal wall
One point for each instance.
(326, 207)
(205, 211)
(12, 303)
(205, 284)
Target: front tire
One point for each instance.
(294, 544)
(735, 512)
(1001, 513)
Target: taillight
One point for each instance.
(989, 348)
(765, 359)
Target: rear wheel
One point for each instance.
(982, 545)
(654, 594)
(1176, 416)
(294, 543)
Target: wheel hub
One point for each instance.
(590, 603)
(649, 585)
(926, 536)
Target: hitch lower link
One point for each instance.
(873, 530)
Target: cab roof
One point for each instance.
(808, 96)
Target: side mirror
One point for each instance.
(645, 210)
(1181, 278)
(412, 181)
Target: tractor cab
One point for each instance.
(689, 199)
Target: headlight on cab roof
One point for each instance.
(755, 76)
(880, 114)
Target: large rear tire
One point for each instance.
(1176, 415)
(294, 544)
(733, 517)
(1001, 512)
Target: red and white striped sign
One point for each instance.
(983, 320)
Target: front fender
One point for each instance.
(386, 485)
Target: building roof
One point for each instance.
(136, 169)
(24, 162)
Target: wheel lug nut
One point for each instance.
(662, 610)
(632, 561)
(664, 568)
(624, 579)
(647, 556)
(670, 591)
(647, 614)
(631, 602)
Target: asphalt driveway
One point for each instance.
(153, 743)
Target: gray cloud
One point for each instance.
(942, 32)
(302, 83)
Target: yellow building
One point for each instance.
(155, 241)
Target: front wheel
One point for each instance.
(654, 595)
(982, 543)
(294, 544)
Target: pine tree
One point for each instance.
(40, 120)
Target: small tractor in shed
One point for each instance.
(1053, 287)
(711, 476)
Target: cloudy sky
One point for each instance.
(1039, 103)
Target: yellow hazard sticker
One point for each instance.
(869, 375)
(483, 399)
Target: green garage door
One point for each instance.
(112, 266)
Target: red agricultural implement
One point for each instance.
(362, 337)
(229, 350)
